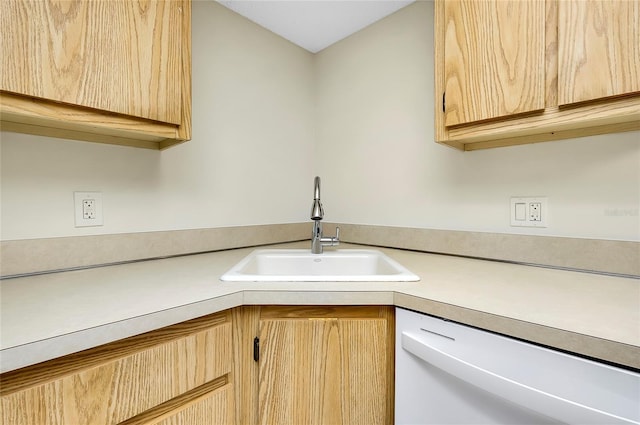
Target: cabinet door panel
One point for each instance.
(121, 56)
(494, 59)
(321, 371)
(599, 49)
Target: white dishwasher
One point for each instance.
(447, 373)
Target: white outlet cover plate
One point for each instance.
(527, 200)
(78, 197)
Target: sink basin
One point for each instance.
(300, 265)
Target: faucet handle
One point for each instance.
(335, 240)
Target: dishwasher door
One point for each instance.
(447, 373)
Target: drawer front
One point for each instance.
(216, 407)
(116, 390)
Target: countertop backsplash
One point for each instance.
(29, 256)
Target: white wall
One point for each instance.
(381, 166)
(250, 160)
(364, 107)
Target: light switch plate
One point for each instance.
(88, 209)
(529, 211)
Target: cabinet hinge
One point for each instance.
(444, 94)
(256, 349)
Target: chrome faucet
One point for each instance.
(317, 213)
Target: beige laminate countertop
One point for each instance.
(47, 316)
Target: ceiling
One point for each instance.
(314, 24)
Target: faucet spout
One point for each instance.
(317, 213)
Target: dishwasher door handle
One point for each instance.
(540, 401)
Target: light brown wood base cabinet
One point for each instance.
(181, 374)
(248, 365)
(316, 365)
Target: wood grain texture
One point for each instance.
(553, 136)
(388, 313)
(319, 311)
(551, 53)
(152, 110)
(26, 115)
(117, 381)
(29, 111)
(598, 116)
(246, 326)
(621, 114)
(488, 73)
(588, 119)
(122, 56)
(439, 32)
(184, 129)
(215, 409)
(326, 370)
(208, 403)
(599, 49)
(80, 135)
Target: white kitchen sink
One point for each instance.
(300, 265)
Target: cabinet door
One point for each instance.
(326, 370)
(598, 49)
(494, 59)
(121, 56)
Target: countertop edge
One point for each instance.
(39, 351)
(593, 347)
(598, 349)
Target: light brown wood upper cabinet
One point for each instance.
(115, 71)
(488, 74)
(598, 49)
(514, 72)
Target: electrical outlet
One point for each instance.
(529, 211)
(88, 209)
(535, 211)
